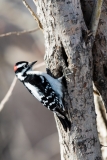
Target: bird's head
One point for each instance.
(20, 69)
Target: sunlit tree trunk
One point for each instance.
(69, 44)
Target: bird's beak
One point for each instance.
(31, 64)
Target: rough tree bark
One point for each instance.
(68, 44)
(99, 70)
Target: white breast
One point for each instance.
(34, 91)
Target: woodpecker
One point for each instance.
(45, 88)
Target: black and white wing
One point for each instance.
(40, 88)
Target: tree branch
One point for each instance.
(19, 33)
(96, 16)
(33, 14)
(7, 96)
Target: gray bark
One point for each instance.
(100, 55)
(69, 50)
(99, 71)
(99, 48)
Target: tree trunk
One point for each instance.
(69, 50)
(99, 70)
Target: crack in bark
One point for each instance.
(64, 55)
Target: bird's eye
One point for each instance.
(25, 66)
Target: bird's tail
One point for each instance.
(64, 120)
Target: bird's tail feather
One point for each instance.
(65, 123)
(64, 120)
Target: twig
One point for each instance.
(9, 93)
(19, 33)
(33, 14)
(96, 16)
(7, 96)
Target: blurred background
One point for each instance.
(27, 129)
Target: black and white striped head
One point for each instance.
(20, 69)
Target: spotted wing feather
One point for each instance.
(42, 90)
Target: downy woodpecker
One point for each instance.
(45, 88)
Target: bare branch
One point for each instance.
(33, 14)
(95, 16)
(19, 33)
(7, 96)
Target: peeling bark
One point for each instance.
(69, 50)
